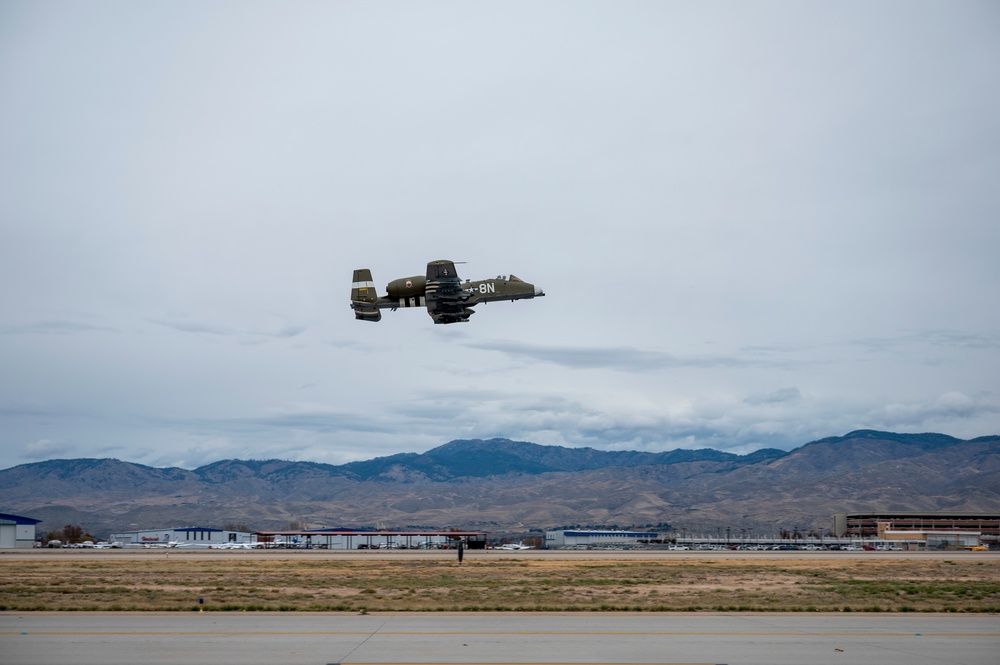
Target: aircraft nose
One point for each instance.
(538, 291)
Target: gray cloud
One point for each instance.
(44, 449)
(780, 396)
(941, 411)
(51, 328)
(952, 339)
(214, 329)
(624, 358)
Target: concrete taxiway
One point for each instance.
(515, 638)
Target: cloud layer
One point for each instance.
(755, 225)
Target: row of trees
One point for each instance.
(70, 534)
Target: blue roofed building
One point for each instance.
(16, 531)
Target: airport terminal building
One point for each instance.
(921, 530)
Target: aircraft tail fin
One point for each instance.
(364, 296)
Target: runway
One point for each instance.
(494, 639)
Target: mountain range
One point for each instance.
(503, 486)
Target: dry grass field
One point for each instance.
(183, 581)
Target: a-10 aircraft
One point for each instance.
(447, 298)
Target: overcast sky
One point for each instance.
(757, 224)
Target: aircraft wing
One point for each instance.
(445, 297)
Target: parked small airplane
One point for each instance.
(446, 297)
(515, 546)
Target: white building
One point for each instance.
(188, 536)
(587, 538)
(16, 531)
(930, 539)
(349, 539)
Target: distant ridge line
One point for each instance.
(499, 484)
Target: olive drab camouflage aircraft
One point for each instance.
(447, 298)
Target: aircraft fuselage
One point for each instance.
(447, 298)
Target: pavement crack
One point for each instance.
(362, 642)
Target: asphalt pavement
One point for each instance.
(500, 638)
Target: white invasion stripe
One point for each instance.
(411, 301)
(363, 285)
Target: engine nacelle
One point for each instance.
(407, 287)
